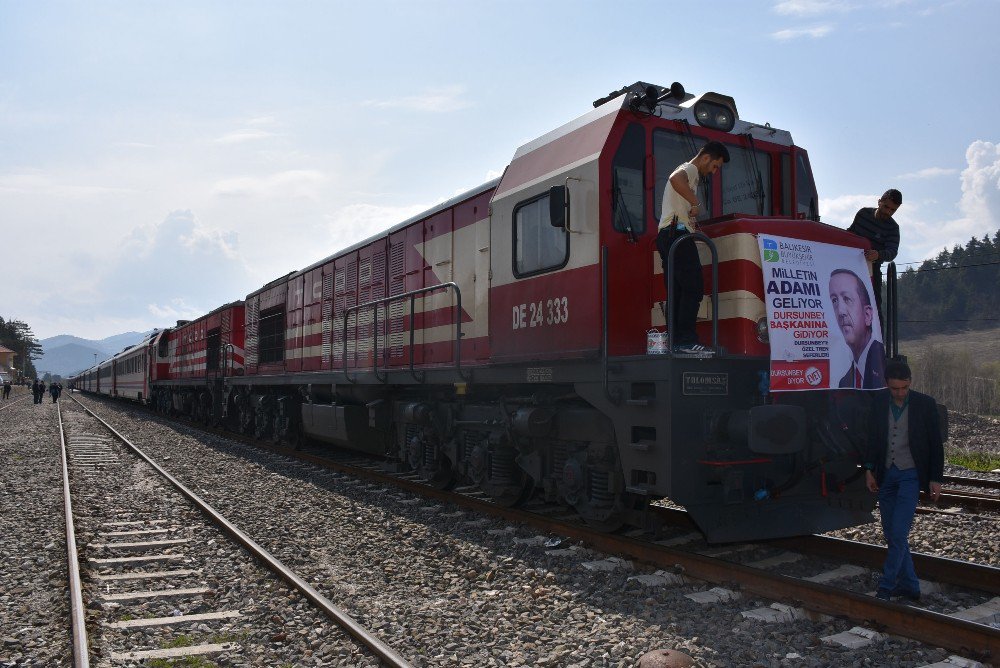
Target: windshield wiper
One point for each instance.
(626, 219)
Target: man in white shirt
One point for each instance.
(680, 217)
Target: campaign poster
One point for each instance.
(822, 320)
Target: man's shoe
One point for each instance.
(693, 349)
(912, 596)
(883, 595)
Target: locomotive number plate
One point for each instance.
(705, 384)
(539, 374)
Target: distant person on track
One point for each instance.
(6, 390)
(41, 391)
(905, 454)
(679, 218)
(878, 226)
(34, 391)
(54, 391)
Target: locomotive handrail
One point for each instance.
(693, 237)
(891, 325)
(411, 295)
(613, 397)
(228, 353)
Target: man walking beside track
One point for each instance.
(905, 454)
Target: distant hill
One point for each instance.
(65, 355)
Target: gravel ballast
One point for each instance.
(445, 587)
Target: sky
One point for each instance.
(161, 158)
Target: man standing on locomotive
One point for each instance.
(679, 218)
(905, 454)
(878, 226)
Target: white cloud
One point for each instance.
(175, 309)
(928, 173)
(244, 135)
(39, 183)
(355, 222)
(294, 183)
(205, 240)
(449, 98)
(980, 203)
(923, 234)
(810, 7)
(814, 32)
(840, 210)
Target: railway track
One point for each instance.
(960, 493)
(11, 402)
(716, 565)
(970, 481)
(155, 573)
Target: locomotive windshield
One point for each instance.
(671, 149)
(745, 180)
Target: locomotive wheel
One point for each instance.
(511, 496)
(626, 509)
(423, 457)
(443, 477)
(294, 440)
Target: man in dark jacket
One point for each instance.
(905, 454)
(34, 390)
(880, 228)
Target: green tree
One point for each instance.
(18, 336)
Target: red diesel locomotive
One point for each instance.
(500, 338)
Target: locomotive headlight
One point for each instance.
(762, 334)
(714, 115)
(715, 111)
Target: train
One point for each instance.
(501, 338)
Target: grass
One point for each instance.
(196, 661)
(975, 461)
(189, 661)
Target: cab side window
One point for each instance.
(538, 246)
(805, 189)
(628, 171)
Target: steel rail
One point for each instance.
(388, 655)
(81, 651)
(11, 402)
(953, 571)
(980, 577)
(973, 500)
(989, 483)
(966, 638)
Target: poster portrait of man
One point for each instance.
(851, 303)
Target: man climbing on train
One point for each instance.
(880, 228)
(680, 218)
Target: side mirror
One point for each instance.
(558, 206)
